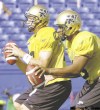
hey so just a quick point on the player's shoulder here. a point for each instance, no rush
(86, 34)
(83, 35)
(46, 33)
(46, 30)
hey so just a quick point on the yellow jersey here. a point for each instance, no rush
(86, 44)
(44, 41)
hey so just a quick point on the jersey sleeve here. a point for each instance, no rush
(85, 47)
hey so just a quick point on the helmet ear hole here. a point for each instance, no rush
(78, 26)
(70, 28)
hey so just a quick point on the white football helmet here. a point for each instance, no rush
(70, 22)
(37, 16)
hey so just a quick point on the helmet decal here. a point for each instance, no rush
(71, 19)
(43, 13)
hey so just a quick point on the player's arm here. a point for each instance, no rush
(84, 50)
(69, 71)
(43, 60)
(21, 65)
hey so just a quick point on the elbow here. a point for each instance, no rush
(72, 74)
(76, 71)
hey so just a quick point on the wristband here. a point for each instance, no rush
(26, 58)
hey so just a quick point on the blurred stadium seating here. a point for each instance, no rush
(11, 29)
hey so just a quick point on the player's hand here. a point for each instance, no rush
(41, 71)
(14, 50)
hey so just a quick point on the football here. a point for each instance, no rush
(34, 79)
(10, 60)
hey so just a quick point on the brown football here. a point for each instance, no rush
(34, 79)
(10, 60)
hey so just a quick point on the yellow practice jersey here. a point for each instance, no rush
(44, 41)
(86, 44)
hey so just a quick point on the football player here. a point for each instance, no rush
(83, 49)
(46, 51)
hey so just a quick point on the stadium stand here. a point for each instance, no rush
(11, 77)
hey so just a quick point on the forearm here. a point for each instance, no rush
(67, 71)
(28, 59)
(39, 62)
(42, 60)
(22, 66)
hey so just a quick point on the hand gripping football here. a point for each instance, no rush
(34, 79)
(12, 59)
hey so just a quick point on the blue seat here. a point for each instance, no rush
(90, 22)
(25, 1)
(18, 23)
(95, 10)
(84, 17)
(83, 10)
(97, 16)
(52, 10)
(4, 17)
(4, 37)
(18, 37)
(2, 43)
(16, 10)
(45, 2)
(25, 30)
(10, 1)
(89, 3)
(71, 3)
(58, 1)
(22, 44)
(10, 6)
(0, 31)
(2, 61)
(7, 24)
(86, 28)
(18, 17)
(56, 6)
(12, 30)
(24, 7)
(95, 30)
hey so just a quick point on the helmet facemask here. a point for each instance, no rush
(31, 22)
(62, 32)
